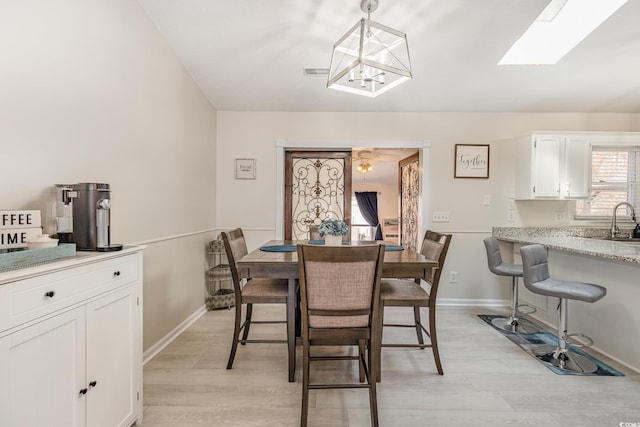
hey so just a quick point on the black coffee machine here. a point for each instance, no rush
(91, 217)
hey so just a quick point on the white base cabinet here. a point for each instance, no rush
(78, 363)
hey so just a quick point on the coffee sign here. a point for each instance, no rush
(18, 227)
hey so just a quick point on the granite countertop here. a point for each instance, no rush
(584, 241)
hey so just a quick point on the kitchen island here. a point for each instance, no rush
(582, 254)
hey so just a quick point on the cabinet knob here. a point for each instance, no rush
(83, 391)
(93, 383)
(49, 294)
(116, 273)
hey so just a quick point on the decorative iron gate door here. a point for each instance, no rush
(317, 187)
(409, 197)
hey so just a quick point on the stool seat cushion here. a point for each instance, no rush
(571, 290)
(505, 269)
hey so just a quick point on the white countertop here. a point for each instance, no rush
(81, 257)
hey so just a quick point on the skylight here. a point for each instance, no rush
(558, 29)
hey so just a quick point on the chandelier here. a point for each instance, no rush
(370, 58)
(364, 167)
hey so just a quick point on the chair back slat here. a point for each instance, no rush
(235, 247)
(314, 232)
(435, 246)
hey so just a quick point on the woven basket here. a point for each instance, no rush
(224, 298)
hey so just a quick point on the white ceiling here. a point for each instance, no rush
(249, 55)
(384, 162)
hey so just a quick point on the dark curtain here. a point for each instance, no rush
(368, 204)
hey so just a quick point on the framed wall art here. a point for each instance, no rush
(245, 168)
(471, 161)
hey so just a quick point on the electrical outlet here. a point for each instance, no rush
(511, 215)
(487, 200)
(440, 217)
(453, 277)
(560, 216)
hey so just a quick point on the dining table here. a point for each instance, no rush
(279, 259)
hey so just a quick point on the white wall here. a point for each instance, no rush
(254, 134)
(90, 92)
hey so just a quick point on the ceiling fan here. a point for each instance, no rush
(364, 159)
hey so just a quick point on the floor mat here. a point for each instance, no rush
(528, 342)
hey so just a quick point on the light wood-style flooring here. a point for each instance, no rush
(488, 381)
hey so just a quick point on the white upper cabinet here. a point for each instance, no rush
(553, 166)
(577, 166)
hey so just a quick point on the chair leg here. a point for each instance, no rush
(372, 380)
(361, 354)
(416, 317)
(305, 385)
(236, 336)
(377, 350)
(247, 324)
(434, 337)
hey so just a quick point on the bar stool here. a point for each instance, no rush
(537, 280)
(500, 268)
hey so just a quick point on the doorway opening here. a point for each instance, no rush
(422, 148)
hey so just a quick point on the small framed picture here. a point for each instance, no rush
(245, 168)
(471, 161)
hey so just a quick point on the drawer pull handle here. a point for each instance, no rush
(116, 273)
(93, 383)
(84, 391)
(49, 294)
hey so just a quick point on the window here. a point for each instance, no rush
(615, 176)
(360, 230)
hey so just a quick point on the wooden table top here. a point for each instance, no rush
(404, 263)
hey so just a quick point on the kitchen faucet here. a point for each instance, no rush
(614, 227)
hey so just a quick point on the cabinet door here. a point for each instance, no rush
(546, 167)
(578, 167)
(42, 369)
(112, 352)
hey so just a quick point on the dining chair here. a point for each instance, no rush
(340, 297)
(248, 292)
(410, 293)
(314, 232)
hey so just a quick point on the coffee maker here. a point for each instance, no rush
(91, 217)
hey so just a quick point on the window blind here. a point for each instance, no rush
(615, 178)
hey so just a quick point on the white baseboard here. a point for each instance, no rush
(156, 348)
(465, 302)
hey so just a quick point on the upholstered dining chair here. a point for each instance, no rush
(410, 293)
(248, 292)
(340, 296)
(314, 232)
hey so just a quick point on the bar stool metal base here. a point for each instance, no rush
(567, 360)
(516, 325)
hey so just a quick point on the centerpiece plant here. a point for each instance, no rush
(333, 227)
